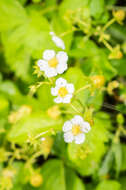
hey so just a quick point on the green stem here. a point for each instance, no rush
(68, 32)
(74, 108)
(83, 88)
(107, 45)
(108, 24)
(49, 9)
(43, 133)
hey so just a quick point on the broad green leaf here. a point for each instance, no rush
(16, 55)
(60, 177)
(118, 32)
(107, 163)
(12, 14)
(97, 8)
(44, 97)
(117, 150)
(122, 181)
(120, 66)
(26, 40)
(73, 182)
(96, 61)
(4, 106)
(58, 143)
(12, 93)
(23, 2)
(53, 175)
(33, 125)
(110, 2)
(62, 29)
(75, 76)
(123, 165)
(68, 5)
(109, 185)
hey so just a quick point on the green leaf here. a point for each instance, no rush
(118, 32)
(123, 165)
(120, 66)
(96, 61)
(60, 177)
(117, 150)
(97, 8)
(122, 181)
(58, 143)
(107, 163)
(109, 185)
(33, 125)
(44, 100)
(68, 5)
(12, 14)
(53, 175)
(62, 29)
(4, 106)
(73, 182)
(75, 76)
(12, 93)
(27, 40)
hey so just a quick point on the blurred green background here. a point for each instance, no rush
(94, 33)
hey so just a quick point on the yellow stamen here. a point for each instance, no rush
(76, 130)
(53, 62)
(62, 92)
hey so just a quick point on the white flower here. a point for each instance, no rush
(63, 91)
(75, 129)
(52, 63)
(58, 41)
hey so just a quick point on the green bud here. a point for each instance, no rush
(120, 119)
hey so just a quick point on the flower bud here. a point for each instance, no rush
(119, 15)
(111, 86)
(120, 119)
(54, 112)
(116, 53)
(36, 180)
(98, 80)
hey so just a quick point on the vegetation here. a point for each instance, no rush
(36, 150)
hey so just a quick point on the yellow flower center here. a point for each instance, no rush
(76, 130)
(53, 62)
(62, 92)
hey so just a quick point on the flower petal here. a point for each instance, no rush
(42, 64)
(61, 82)
(62, 57)
(58, 41)
(85, 127)
(67, 126)
(67, 98)
(77, 119)
(58, 100)
(48, 54)
(61, 68)
(79, 139)
(54, 91)
(50, 72)
(70, 88)
(52, 33)
(68, 137)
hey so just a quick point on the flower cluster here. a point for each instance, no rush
(52, 64)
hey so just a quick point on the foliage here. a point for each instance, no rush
(33, 153)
